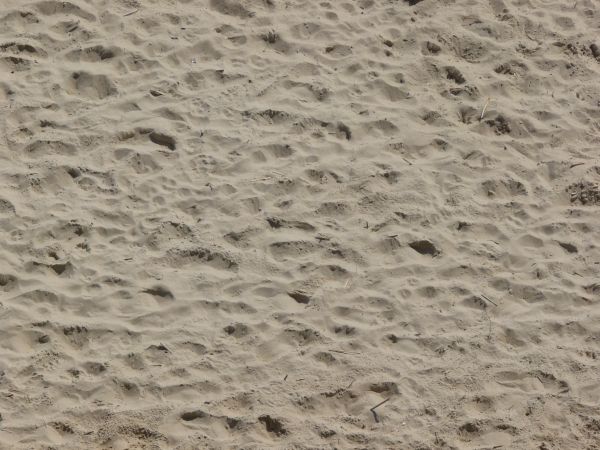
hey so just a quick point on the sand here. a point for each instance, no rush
(233, 224)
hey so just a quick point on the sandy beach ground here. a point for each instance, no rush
(242, 224)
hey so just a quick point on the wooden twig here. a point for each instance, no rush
(345, 353)
(131, 13)
(487, 316)
(377, 406)
(485, 298)
(575, 165)
(487, 102)
(351, 383)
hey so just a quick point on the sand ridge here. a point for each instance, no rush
(243, 224)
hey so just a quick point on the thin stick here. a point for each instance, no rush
(485, 298)
(345, 353)
(131, 13)
(377, 406)
(484, 108)
(487, 316)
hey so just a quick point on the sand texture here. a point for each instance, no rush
(241, 224)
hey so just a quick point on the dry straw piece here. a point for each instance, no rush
(487, 102)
